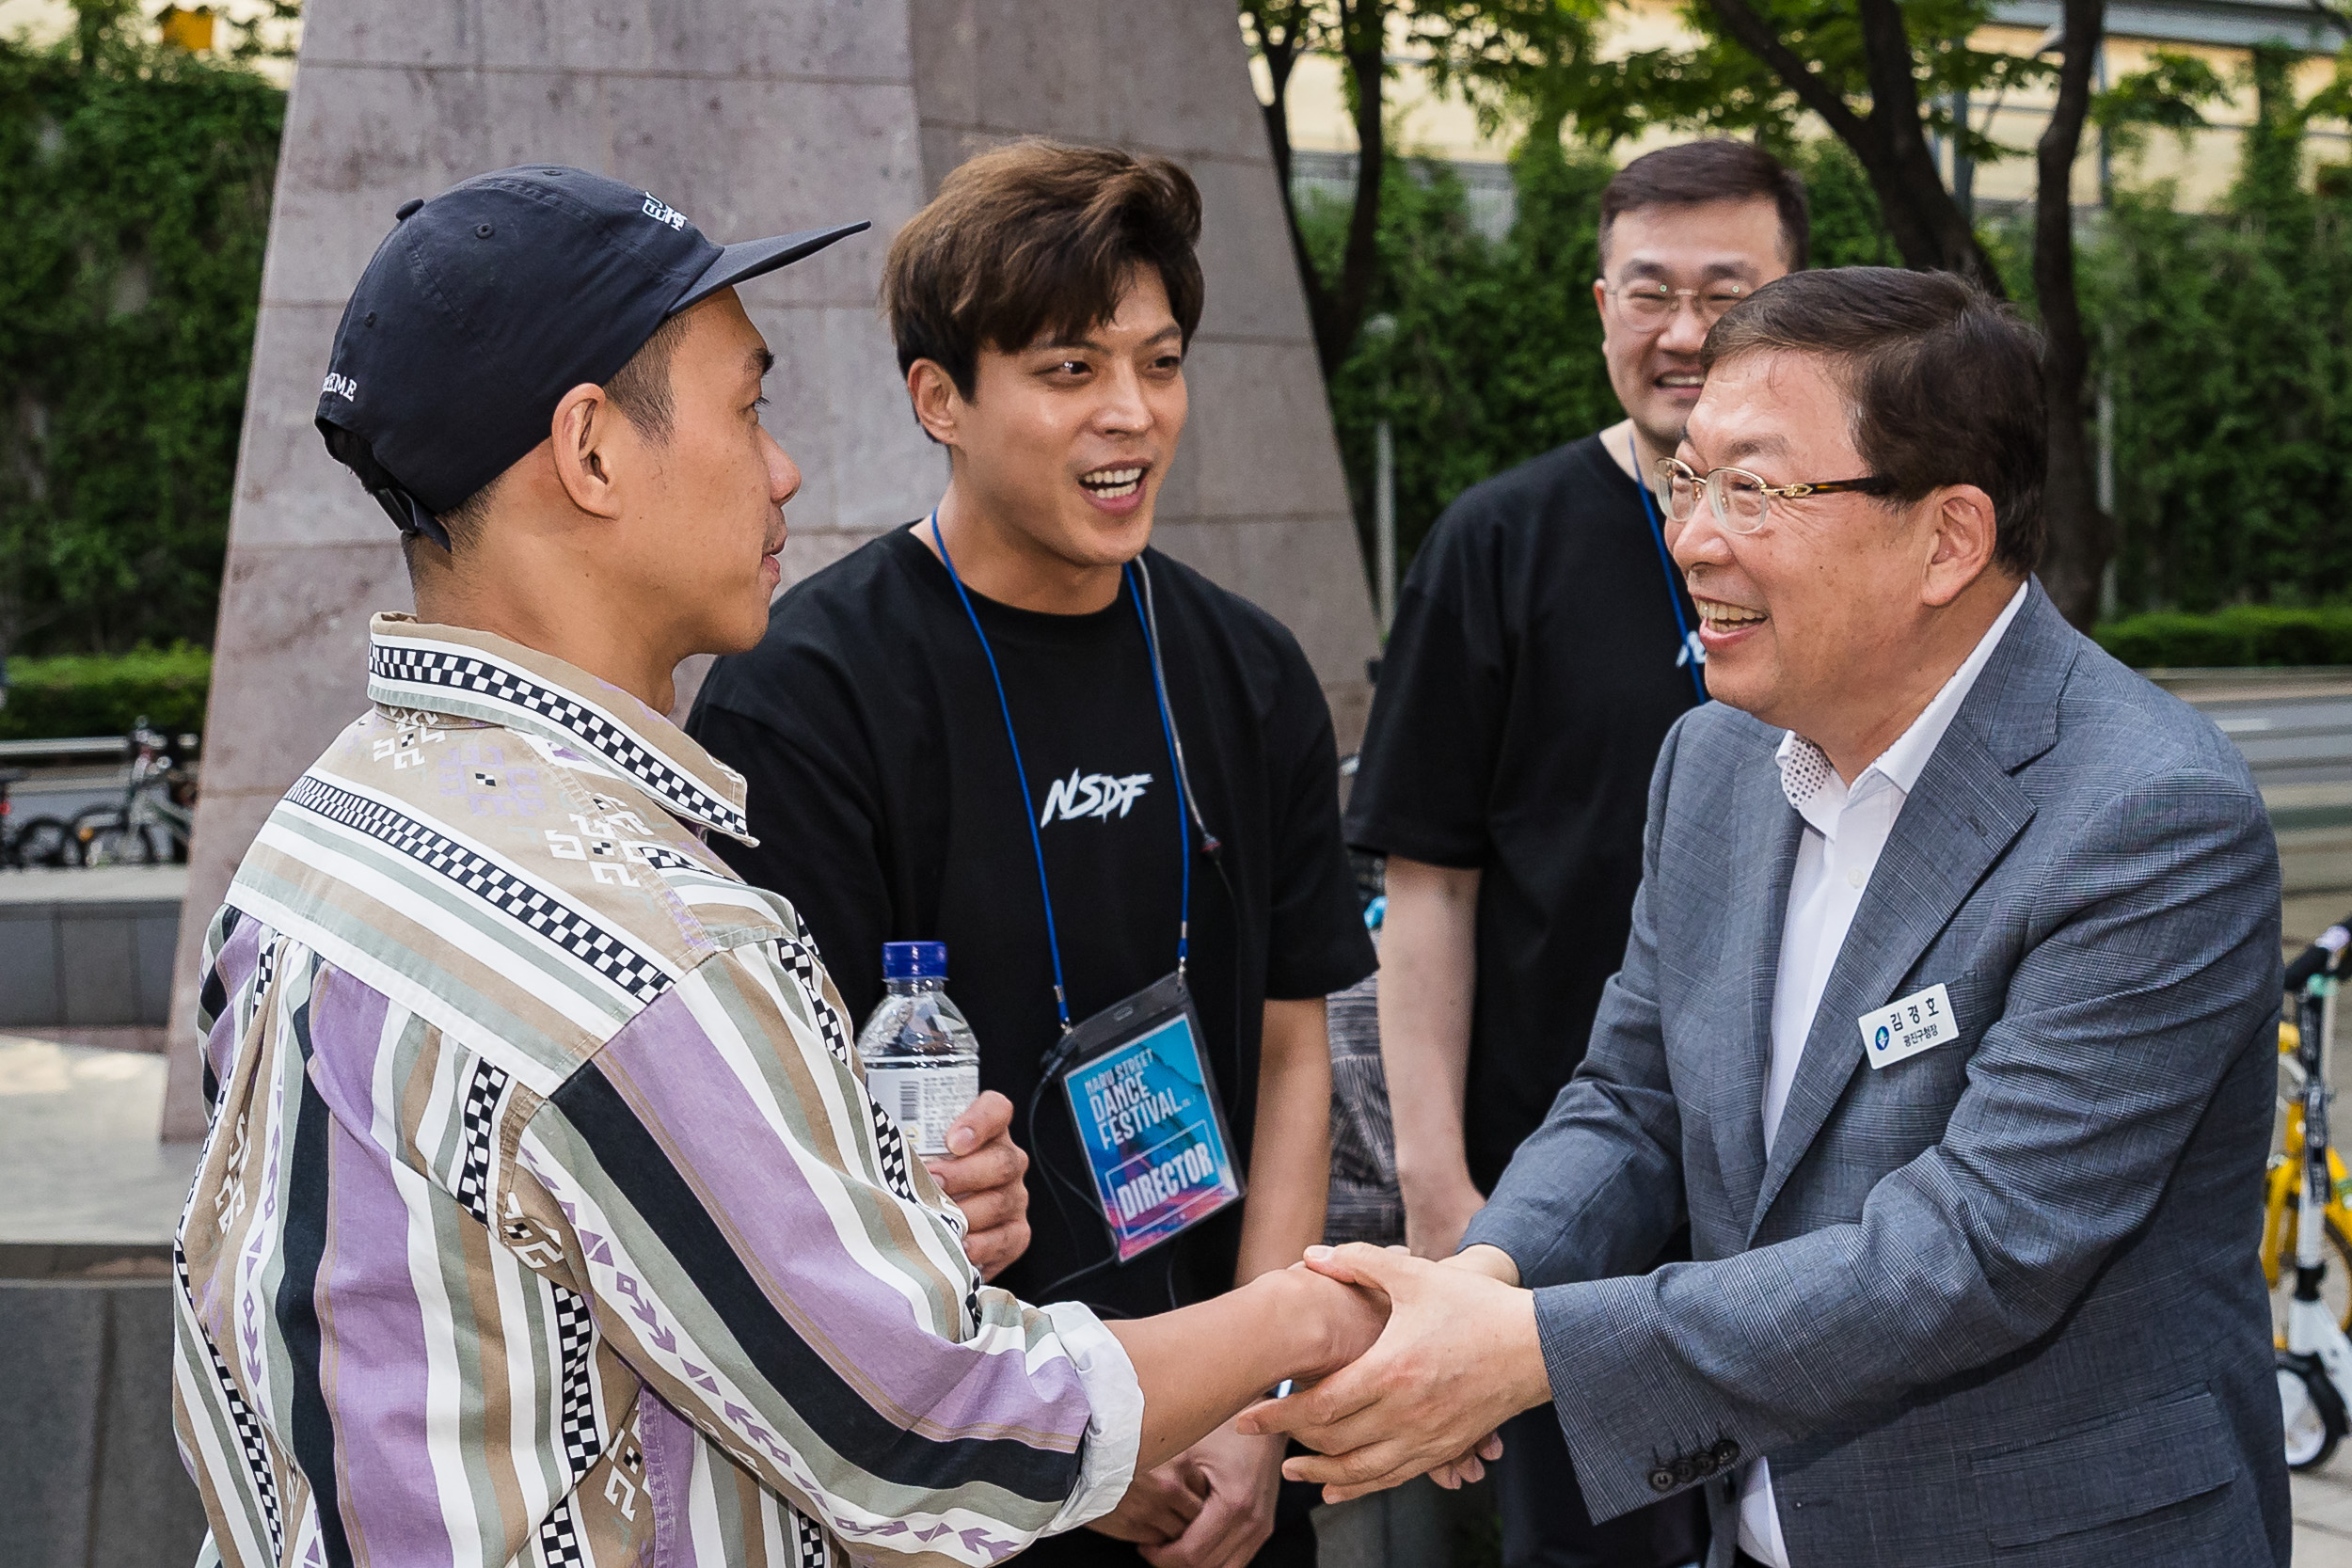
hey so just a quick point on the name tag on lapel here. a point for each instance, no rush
(1902, 1029)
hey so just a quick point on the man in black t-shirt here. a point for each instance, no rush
(1042, 305)
(1542, 648)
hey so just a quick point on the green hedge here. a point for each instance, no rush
(105, 694)
(2246, 634)
(134, 192)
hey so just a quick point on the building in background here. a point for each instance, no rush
(211, 28)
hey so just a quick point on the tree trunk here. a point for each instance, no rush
(1339, 312)
(1943, 239)
(1335, 310)
(1281, 50)
(2081, 536)
(1921, 217)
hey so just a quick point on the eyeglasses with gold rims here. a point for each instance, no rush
(1649, 305)
(1740, 499)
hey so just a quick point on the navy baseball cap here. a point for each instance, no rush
(486, 304)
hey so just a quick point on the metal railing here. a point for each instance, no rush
(77, 746)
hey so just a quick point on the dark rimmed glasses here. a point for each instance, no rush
(1741, 499)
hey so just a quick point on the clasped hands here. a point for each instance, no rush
(1458, 1357)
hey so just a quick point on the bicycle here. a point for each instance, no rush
(43, 841)
(2315, 1353)
(155, 819)
(2281, 1209)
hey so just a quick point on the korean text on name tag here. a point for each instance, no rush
(1902, 1029)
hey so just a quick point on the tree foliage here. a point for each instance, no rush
(2229, 339)
(134, 188)
(1534, 56)
(1883, 77)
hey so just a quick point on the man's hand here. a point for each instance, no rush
(1157, 1508)
(1435, 1217)
(1350, 1319)
(982, 1175)
(1237, 1478)
(1459, 1356)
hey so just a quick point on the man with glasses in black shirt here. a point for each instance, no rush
(1543, 645)
(1013, 728)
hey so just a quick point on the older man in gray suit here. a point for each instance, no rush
(1945, 1023)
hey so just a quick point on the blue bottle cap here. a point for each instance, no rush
(915, 960)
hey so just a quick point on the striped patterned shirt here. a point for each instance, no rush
(544, 1218)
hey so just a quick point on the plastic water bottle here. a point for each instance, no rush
(922, 1061)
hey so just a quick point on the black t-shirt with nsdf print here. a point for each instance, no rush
(887, 808)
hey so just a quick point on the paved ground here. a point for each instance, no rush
(79, 1164)
(104, 885)
(2323, 1516)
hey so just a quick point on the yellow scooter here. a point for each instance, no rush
(2314, 1365)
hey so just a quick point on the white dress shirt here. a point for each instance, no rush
(1846, 826)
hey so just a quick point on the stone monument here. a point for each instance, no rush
(753, 117)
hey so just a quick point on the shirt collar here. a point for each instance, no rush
(413, 666)
(1806, 772)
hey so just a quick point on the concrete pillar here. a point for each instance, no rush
(753, 117)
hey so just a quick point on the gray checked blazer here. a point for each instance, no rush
(1997, 1302)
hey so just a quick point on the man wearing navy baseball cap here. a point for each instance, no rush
(543, 1216)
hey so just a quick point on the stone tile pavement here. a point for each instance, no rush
(80, 1169)
(2323, 1515)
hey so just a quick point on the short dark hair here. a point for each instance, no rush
(1945, 382)
(640, 389)
(1038, 237)
(1718, 168)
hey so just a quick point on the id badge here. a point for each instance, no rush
(1148, 1117)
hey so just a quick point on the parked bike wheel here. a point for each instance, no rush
(106, 839)
(2314, 1411)
(2336, 1290)
(44, 840)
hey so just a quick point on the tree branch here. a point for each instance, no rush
(1364, 43)
(1750, 31)
(1918, 184)
(1282, 33)
(2081, 536)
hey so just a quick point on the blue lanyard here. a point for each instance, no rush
(1694, 652)
(1037, 845)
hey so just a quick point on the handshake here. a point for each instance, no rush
(1404, 1367)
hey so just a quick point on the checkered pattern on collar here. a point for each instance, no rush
(1805, 770)
(472, 674)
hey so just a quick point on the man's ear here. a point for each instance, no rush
(937, 402)
(1600, 297)
(1964, 534)
(587, 436)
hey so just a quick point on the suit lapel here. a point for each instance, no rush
(1765, 853)
(1964, 815)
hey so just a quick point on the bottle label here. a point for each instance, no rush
(925, 1100)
